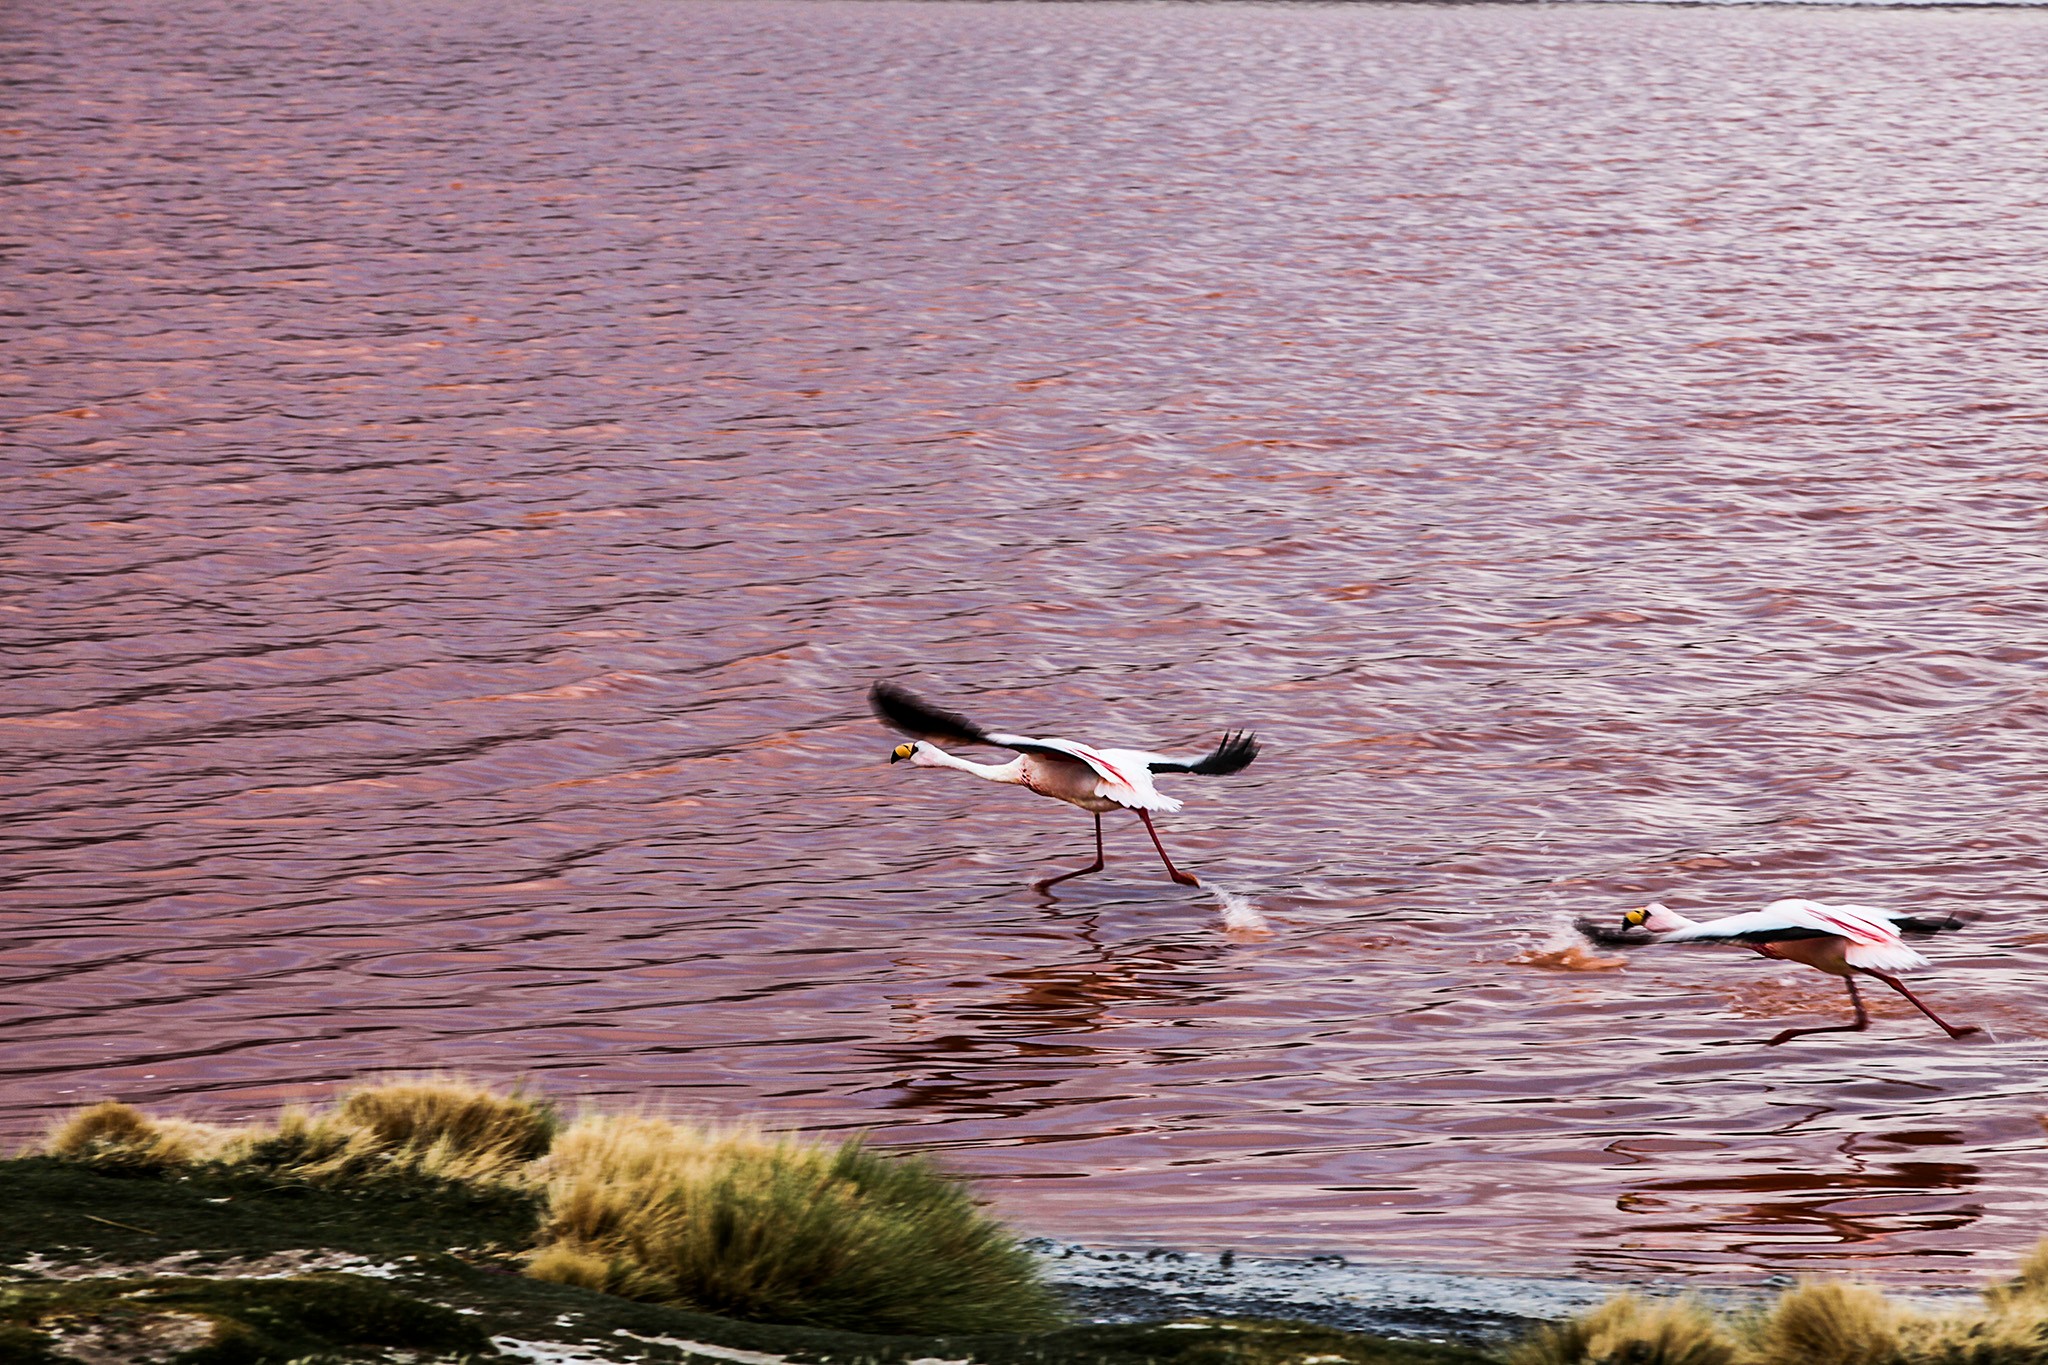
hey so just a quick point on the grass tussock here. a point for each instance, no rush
(1816, 1323)
(117, 1137)
(434, 1130)
(1829, 1322)
(2029, 1285)
(1627, 1330)
(2013, 1330)
(1998, 1338)
(779, 1229)
(441, 1130)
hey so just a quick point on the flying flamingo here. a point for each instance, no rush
(1096, 780)
(1841, 940)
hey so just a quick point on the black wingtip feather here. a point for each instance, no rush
(1234, 754)
(898, 709)
(1921, 925)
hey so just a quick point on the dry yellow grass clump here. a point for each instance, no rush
(1822, 1322)
(774, 1228)
(726, 1220)
(434, 1129)
(1828, 1320)
(1627, 1330)
(115, 1136)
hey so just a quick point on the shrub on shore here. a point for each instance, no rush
(1828, 1322)
(111, 1136)
(432, 1129)
(724, 1220)
(1816, 1323)
(1627, 1330)
(771, 1228)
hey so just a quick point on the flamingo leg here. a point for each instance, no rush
(1900, 986)
(1862, 1019)
(1095, 866)
(1183, 878)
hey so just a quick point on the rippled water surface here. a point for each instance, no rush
(466, 462)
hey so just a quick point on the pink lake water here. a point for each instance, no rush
(466, 462)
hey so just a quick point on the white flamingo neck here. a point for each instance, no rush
(927, 755)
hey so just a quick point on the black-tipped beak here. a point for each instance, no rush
(895, 757)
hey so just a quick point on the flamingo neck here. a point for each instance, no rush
(931, 756)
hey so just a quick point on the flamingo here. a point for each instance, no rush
(1842, 940)
(1096, 780)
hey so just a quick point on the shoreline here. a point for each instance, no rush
(1389, 1299)
(103, 1259)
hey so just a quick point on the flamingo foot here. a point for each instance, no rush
(1041, 885)
(1789, 1034)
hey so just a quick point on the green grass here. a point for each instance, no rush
(233, 1322)
(778, 1229)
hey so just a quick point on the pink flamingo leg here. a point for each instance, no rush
(1095, 866)
(1862, 1019)
(1183, 878)
(1900, 986)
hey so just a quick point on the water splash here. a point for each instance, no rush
(1563, 949)
(1242, 917)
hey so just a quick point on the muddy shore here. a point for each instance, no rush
(1113, 1285)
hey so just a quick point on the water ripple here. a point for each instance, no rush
(465, 463)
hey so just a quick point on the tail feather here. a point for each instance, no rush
(1883, 957)
(1234, 754)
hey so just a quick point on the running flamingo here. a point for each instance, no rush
(1096, 780)
(1841, 940)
